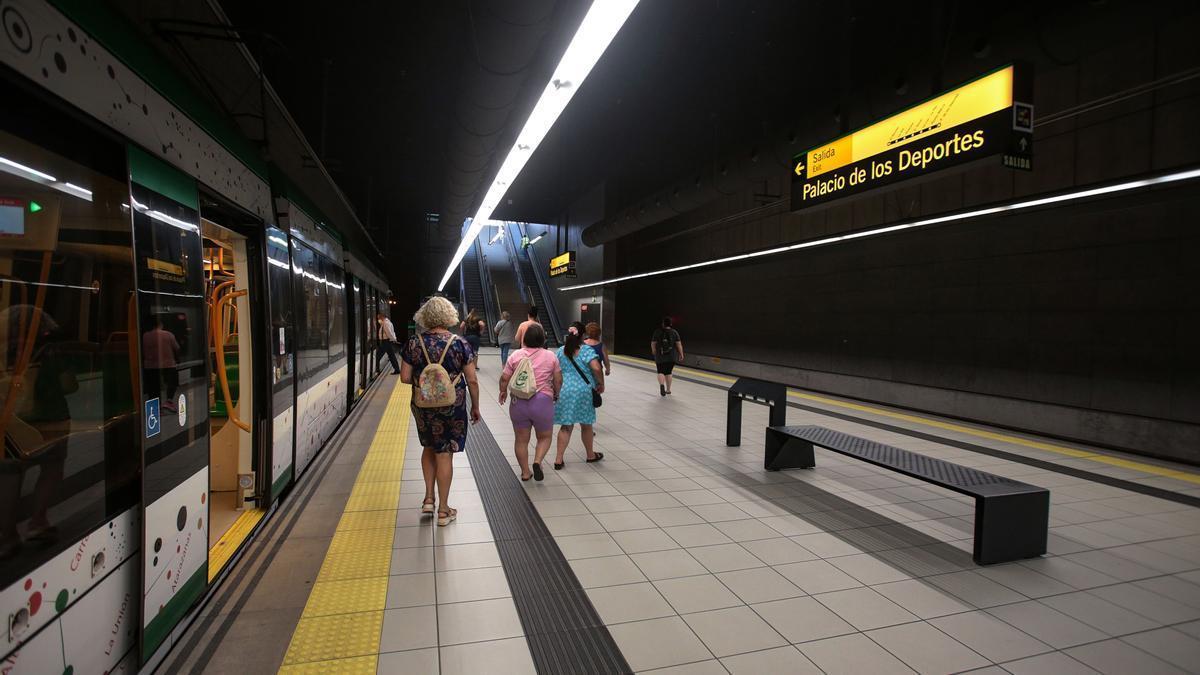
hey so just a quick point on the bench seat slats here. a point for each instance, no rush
(1011, 517)
(947, 474)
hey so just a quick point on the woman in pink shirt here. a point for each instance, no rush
(537, 412)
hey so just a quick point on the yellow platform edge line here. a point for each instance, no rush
(222, 552)
(356, 623)
(950, 426)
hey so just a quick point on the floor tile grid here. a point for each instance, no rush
(622, 442)
(449, 606)
(339, 628)
(1167, 474)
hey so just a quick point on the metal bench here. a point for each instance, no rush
(1011, 518)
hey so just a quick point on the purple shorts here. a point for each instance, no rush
(536, 412)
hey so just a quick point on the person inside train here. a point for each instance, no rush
(387, 342)
(441, 367)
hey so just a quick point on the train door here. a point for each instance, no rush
(282, 347)
(354, 349)
(235, 397)
(172, 329)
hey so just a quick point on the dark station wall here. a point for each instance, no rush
(1079, 321)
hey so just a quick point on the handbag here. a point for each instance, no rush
(597, 400)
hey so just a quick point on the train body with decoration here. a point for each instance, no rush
(183, 331)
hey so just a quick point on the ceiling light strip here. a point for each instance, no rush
(604, 19)
(1189, 174)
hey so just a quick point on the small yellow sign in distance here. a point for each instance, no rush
(971, 101)
(560, 260)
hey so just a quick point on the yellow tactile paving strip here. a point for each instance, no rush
(339, 629)
(959, 428)
(227, 545)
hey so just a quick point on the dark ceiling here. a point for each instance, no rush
(685, 83)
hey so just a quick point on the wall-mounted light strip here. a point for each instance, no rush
(601, 24)
(1176, 177)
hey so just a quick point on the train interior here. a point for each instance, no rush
(232, 461)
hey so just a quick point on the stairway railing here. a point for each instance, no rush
(491, 309)
(511, 236)
(543, 284)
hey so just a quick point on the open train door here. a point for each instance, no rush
(172, 332)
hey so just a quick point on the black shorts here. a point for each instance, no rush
(665, 368)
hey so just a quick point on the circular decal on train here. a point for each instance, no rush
(181, 409)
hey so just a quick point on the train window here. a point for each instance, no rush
(68, 363)
(337, 309)
(313, 294)
(283, 321)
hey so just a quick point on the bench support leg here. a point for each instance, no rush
(787, 452)
(733, 421)
(1011, 527)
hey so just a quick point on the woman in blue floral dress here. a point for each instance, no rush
(580, 372)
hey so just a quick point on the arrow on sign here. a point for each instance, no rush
(800, 168)
(1023, 143)
(34, 207)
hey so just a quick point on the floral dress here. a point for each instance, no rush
(443, 429)
(575, 398)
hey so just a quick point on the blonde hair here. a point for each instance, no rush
(437, 312)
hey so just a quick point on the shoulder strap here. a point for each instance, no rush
(421, 339)
(574, 365)
(446, 351)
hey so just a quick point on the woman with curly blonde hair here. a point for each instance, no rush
(443, 431)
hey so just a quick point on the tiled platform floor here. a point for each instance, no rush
(702, 562)
(699, 561)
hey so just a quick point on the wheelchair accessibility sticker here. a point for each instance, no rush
(153, 419)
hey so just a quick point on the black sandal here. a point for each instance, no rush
(537, 472)
(559, 465)
(598, 456)
(525, 479)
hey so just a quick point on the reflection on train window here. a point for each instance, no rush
(282, 319)
(313, 297)
(68, 363)
(337, 310)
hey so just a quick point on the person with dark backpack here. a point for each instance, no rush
(667, 349)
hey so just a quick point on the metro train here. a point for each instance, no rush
(183, 332)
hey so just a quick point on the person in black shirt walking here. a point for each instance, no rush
(667, 349)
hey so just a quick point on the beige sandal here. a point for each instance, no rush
(446, 517)
(427, 507)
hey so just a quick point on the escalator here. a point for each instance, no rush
(534, 293)
(472, 290)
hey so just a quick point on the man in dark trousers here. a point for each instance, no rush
(667, 349)
(387, 342)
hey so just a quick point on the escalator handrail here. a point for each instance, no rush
(490, 310)
(544, 288)
(510, 242)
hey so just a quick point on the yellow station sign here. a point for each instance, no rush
(990, 115)
(971, 101)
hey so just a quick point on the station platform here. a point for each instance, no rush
(677, 554)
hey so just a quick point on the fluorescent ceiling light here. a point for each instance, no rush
(496, 237)
(604, 19)
(536, 239)
(1014, 206)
